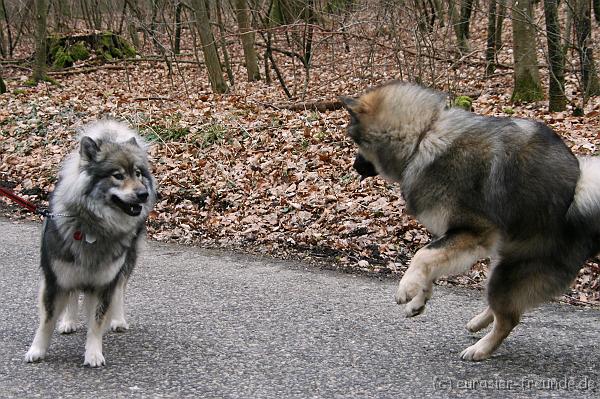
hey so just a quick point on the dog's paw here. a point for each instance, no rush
(94, 359)
(413, 291)
(478, 323)
(34, 355)
(476, 353)
(67, 327)
(119, 325)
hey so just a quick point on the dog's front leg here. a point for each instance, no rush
(118, 322)
(453, 253)
(97, 309)
(52, 301)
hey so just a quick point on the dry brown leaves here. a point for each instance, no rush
(236, 172)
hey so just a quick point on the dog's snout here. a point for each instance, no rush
(142, 195)
(364, 167)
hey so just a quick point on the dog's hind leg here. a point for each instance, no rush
(52, 301)
(481, 321)
(503, 325)
(514, 286)
(98, 309)
(453, 253)
(118, 322)
(69, 319)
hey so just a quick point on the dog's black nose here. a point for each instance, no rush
(142, 195)
(364, 167)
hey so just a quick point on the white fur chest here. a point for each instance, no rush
(87, 273)
(435, 220)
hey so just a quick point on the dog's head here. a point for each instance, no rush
(386, 124)
(110, 174)
(119, 172)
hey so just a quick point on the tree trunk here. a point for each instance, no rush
(284, 12)
(39, 68)
(3, 47)
(209, 49)
(153, 26)
(490, 51)
(527, 85)
(596, 4)
(177, 46)
(223, 43)
(62, 13)
(453, 18)
(466, 6)
(8, 49)
(568, 36)
(2, 86)
(500, 23)
(557, 101)
(247, 38)
(583, 32)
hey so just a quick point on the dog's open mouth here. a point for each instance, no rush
(130, 209)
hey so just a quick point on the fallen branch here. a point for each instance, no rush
(153, 98)
(85, 70)
(321, 106)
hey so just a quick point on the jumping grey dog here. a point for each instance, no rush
(504, 188)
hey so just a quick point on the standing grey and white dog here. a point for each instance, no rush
(101, 201)
(504, 188)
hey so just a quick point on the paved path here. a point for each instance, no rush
(217, 325)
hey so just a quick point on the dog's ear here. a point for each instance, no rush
(88, 148)
(132, 141)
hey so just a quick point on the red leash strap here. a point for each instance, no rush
(23, 202)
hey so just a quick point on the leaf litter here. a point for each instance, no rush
(236, 171)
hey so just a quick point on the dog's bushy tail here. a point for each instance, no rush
(584, 212)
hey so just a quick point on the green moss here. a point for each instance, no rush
(79, 51)
(62, 58)
(63, 51)
(106, 40)
(113, 46)
(53, 45)
(19, 91)
(508, 110)
(464, 102)
(127, 49)
(116, 53)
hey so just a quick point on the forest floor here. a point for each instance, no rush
(243, 171)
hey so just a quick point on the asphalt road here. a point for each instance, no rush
(209, 324)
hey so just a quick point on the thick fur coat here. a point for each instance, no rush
(504, 188)
(103, 196)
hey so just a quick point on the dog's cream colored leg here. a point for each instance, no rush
(96, 316)
(448, 255)
(48, 317)
(484, 348)
(482, 320)
(118, 322)
(68, 322)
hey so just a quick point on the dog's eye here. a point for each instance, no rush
(138, 174)
(119, 176)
